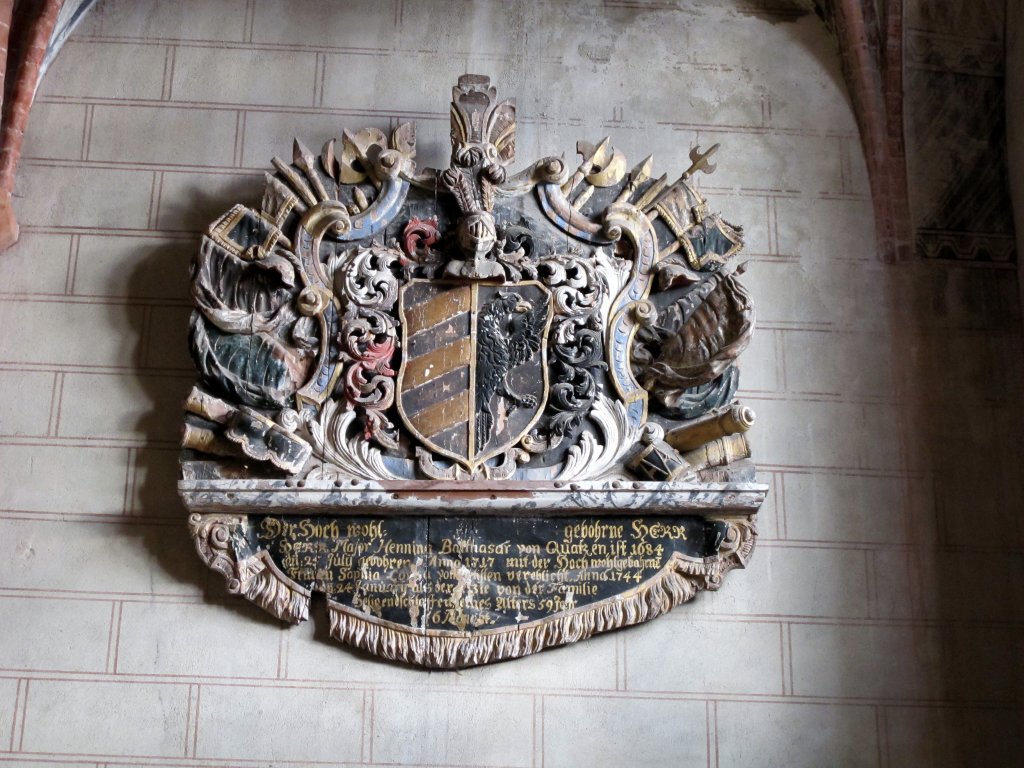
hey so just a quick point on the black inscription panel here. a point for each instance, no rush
(479, 573)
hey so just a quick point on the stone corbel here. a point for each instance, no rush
(221, 543)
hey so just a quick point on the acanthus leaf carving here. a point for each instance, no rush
(342, 449)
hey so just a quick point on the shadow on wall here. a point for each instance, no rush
(960, 361)
(957, 355)
(166, 376)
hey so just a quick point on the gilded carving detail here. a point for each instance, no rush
(392, 359)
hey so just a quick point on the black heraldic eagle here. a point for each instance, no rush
(509, 333)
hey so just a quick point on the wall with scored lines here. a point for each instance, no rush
(880, 621)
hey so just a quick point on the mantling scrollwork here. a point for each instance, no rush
(368, 288)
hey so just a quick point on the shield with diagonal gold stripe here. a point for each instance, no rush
(473, 378)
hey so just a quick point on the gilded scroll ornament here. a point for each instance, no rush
(484, 412)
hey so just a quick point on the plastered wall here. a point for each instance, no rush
(879, 623)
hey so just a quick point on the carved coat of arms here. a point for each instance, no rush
(484, 411)
(474, 375)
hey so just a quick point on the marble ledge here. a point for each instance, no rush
(469, 498)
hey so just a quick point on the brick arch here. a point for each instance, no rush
(869, 36)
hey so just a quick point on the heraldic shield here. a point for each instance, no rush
(473, 378)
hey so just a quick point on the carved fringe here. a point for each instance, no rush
(256, 577)
(259, 579)
(678, 582)
(262, 582)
